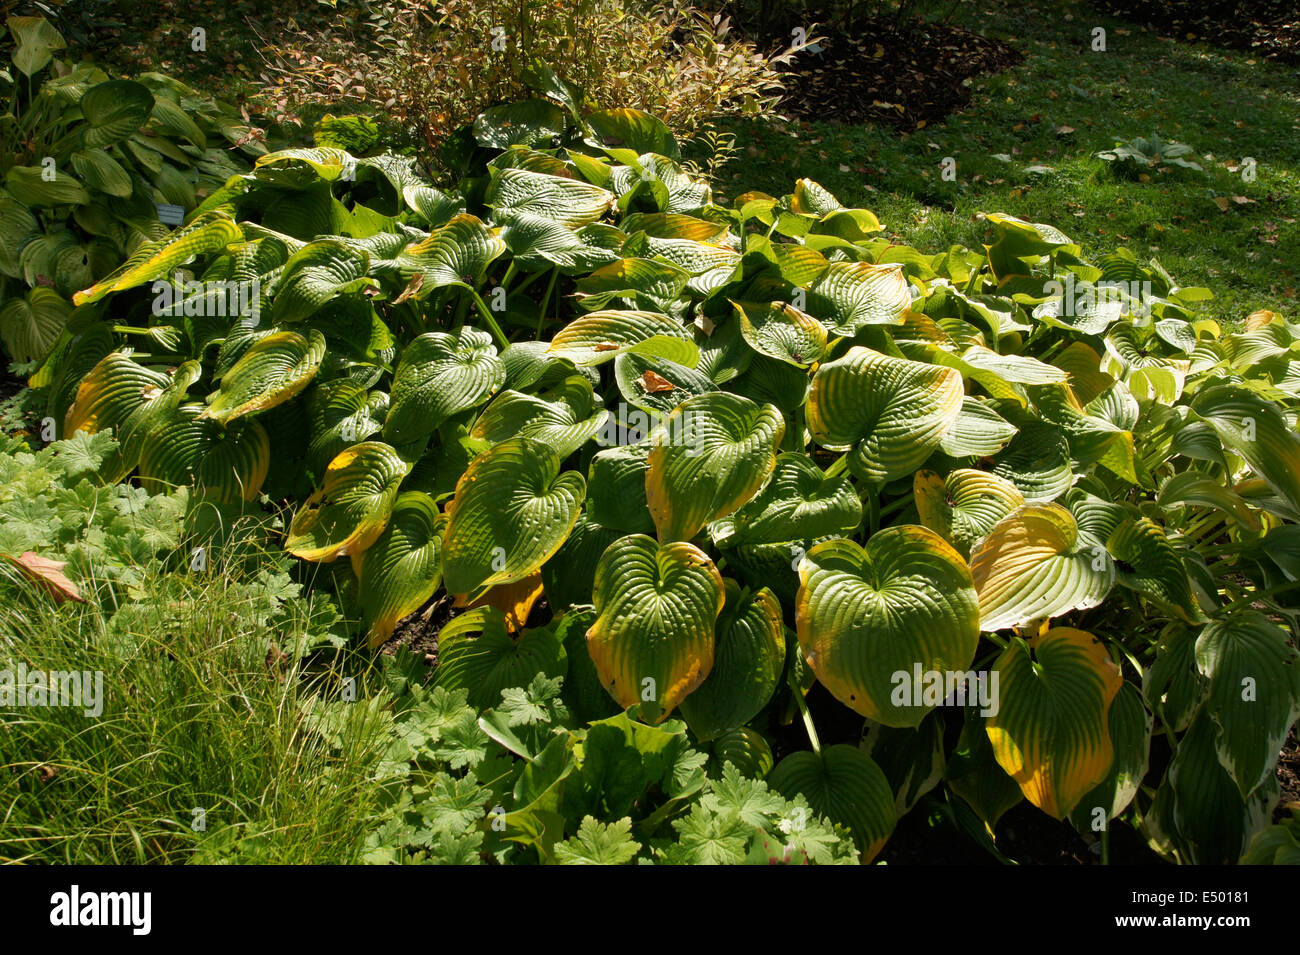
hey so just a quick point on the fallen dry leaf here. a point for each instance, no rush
(413, 286)
(654, 383)
(1222, 203)
(48, 574)
(608, 346)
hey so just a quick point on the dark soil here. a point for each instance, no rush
(905, 74)
(1288, 777)
(420, 630)
(1269, 28)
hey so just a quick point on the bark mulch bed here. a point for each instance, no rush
(1268, 28)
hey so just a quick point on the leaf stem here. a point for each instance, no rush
(807, 719)
(488, 317)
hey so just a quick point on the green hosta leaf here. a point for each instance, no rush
(227, 465)
(403, 568)
(782, 332)
(656, 384)
(569, 575)
(911, 759)
(512, 511)
(1036, 563)
(102, 172)
(633, 129)
(745, 749)
(349, 511)
(963, 507)
(210, 232)
(866, 615)
(315, 275)
(440, 375)
(748, 659)
(31, 325)
(1130, 737)
(974, 774)
(853, 295)
(342, 413)
(17, 227)
(653, 639)
(114, 110)
(978, 430)
(29, 186)
(563, 419)
(271, 372)
(530, 122)
(1149, 563)
(569, 202)
(34, 43)
(799, 503)
(1256, 430)
(843, 784)
(616, 496)
(601, 336)
(645, 283)
(478, 655)
(458, 253)
(707, 459)
(889, 413)
(1253, 671)
(1037, 460)
(1050, 732)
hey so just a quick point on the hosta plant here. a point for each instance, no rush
(1026, 514)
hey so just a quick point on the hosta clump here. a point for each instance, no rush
(690, 458)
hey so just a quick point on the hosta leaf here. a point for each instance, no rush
(644, 283)
(285, 166)
(1256, 430)
(1037, 460)
(974, 774)
(102, 172)
(568, 576)
(530, 122)
(114, 110)
(342, 413)
(440, 375)
(512, 510)
(563, 419)
(226, 464)
(317, 273)
(866, 615)
(963, 507)
(1149, 563)
(978, 430)
(633, 129)
(843, 784)
(458, 253)
(31, 325)
(403, 568)
(746, 749)
(569, 202)
(29, 186)
(707, 459)
(601, 336)
(889, 413)
(616, 496)
(35, 41)
(1035, 563)
(657, 384)
(110, 392)
(1130, 737)
(209, 232)
(782, 332)
(748, 659)
(270, 373)
(348, 512)
(653, 639)
(852, 295)
(1050, 732)
(799, 503)
(477, 655)
(1253, 671)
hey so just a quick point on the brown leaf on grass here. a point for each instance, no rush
(1222, 203)
(654, 383)
(47, 574)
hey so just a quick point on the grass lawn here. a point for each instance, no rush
(1027, 145)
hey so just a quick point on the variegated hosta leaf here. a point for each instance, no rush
(601, 336)
(441, 375)
(348, 512)
(964, 506)
(869, 618)
(748, 659)
(271, 372)
(889, 413)
(707, 459)
(843, 784)
(1051, 732)
(512, 510)
(1036, 563)
(458, 253)
(1253, 671)
(1148, 562)
(657, 384)
(403, 568)
(570, 202)
(657, 606)
(978, 430)
(782, 332)
(226, 464)
(564, 418)
(1256, 430)
(799, 503)
(852, 295)
(1130, 737)
(209, 232)
(342, 413)
(317, 273)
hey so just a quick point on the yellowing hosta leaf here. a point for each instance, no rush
(1130, 736)
(271, 372)
(889, 413)
(748, 659)
(441, 375)
(112, 390)
(512, 511)
(601, 336)
(403, 568)
(1051, 730)
(349, 511)
(209, 232)
(852, 295)
(866, 615)
(814, 199)
(964, 506)
(657, 606)
(845, 785)
(1256, 430)
(327, 162)
(1253, 671)
(708, 458)
(514, 600)
(782, 332)
(1036, 563)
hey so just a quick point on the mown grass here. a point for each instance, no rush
(1059, 107)
(195, 716)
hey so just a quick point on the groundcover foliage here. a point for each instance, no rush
(1023, 511)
